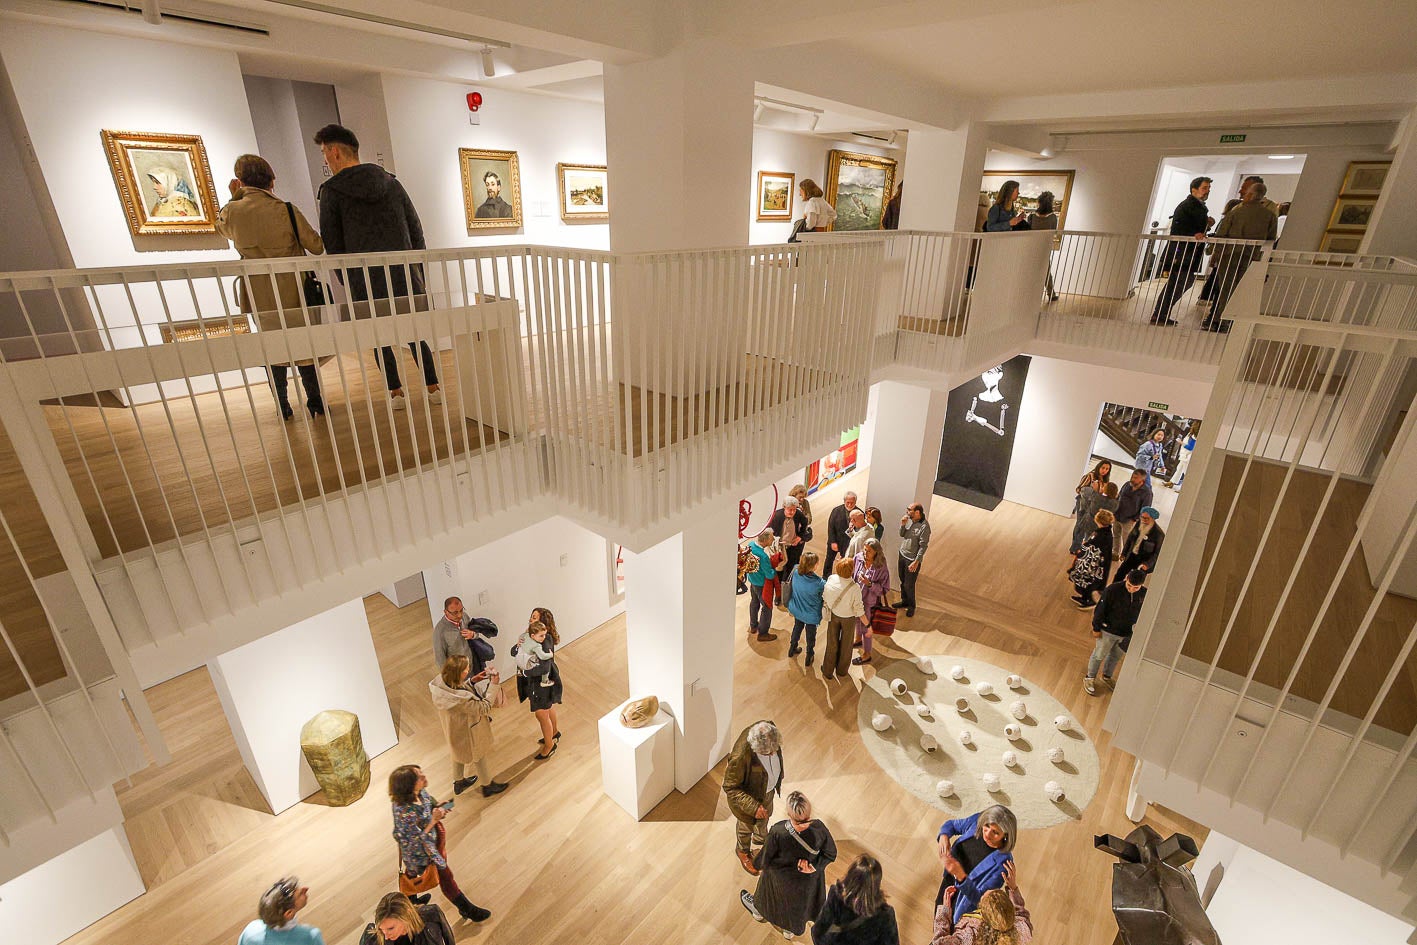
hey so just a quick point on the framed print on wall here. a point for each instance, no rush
(775, 197)
(1341, 242)
(491, 189)
(1030, 185)
(163, 180)
(1351, 214)
(858, 186)
(1365, 178)
(583, 190)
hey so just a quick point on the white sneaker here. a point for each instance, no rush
(435, 396)
(399, 403)
(746, 898)
(1089, 685)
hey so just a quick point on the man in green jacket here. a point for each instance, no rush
(752, 777)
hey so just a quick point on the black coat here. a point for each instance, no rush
(785, 896)
(1190, 219)
(837, 524)
(364, 209)
(779, 520)
(1118, 610)
(1140, 551)
(834, 925)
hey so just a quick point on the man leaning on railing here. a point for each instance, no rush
(1252, 220)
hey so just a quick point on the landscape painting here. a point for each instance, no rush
(163, 181)
(1030, 185)
(583, 192)
(775, 196)
(858, 186)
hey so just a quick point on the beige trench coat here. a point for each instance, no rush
(258, 226)
(465, 719)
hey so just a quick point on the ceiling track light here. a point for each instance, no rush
(758, 109)
(816, 117)
(489, 65)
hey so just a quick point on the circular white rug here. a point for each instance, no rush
(898, 749)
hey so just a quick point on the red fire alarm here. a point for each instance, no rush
(474, 101)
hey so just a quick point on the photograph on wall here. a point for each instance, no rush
(840, 461)
(1352, 213)
(1365, 178)
(1030, 185)
(163, 180)
(775, 197)
(978, 443)
(1341, 242)
(491, 189)
(858, 187)
(583, 190)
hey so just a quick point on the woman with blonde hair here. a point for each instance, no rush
(799, 492)
(1002, 919)
(467, 724)
(397, 921)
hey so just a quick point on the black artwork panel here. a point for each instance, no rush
(978, 442)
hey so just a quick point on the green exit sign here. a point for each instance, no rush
(1232, 139)
(1158, 405)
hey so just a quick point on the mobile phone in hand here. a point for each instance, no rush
(448, 804)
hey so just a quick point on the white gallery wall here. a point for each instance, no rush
(555, 564)
(270, 688)
(803, 155)
(428, 123)
(72, 891)
(123, 84)
(1062, 403)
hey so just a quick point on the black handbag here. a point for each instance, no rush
(310, 286)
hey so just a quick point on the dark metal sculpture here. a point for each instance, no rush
(1154, 897)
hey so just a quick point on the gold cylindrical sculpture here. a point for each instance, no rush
(335, 751)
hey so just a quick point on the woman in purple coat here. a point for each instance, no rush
(873, 576)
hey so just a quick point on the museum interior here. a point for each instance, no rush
(1104, 531)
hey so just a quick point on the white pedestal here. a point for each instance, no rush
(637, 764)
(407, 591)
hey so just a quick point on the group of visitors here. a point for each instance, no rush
(978, 900)
(1251, 216)
(853, 601)
(1005, 215)
(363, 209)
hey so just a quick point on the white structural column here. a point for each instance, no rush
(942, 174)
(73, 890)
(679, 612)
(272, 687)
(905, 453)
(1392, 232)
(679, 143)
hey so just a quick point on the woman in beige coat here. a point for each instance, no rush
(467, 725)
(262, 226)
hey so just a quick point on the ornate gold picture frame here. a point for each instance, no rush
(584, 190)
(775, 193)
(163, 180)
(491, 189)
(858, 187)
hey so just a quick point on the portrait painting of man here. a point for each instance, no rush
(491, 184)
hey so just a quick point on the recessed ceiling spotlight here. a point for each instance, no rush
(1280, 157)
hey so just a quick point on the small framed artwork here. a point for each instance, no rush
(1365, 178)
(583, 193)
(491, 189)
(775, 196)
(1341, 242)
(164, 182)
(1352, 213)
(858, 187)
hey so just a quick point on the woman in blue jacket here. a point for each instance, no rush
(759, 612)
(974, 851)
(1002, 215)
(805, 605)
(1151, 457)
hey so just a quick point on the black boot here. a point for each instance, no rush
(278, 376)
(421, 900)
(462, 784)
(310, 380)
(469, 911)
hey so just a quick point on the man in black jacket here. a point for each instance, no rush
(1143, 544)
(789, 523)
(838, 524)
(1183, 260)
(364, 209)
(1134, 496)
(1112, 624)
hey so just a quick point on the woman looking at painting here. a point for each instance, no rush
(817, 214)
(262, 226)
(1002, 215)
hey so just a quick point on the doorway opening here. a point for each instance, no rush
(1121, 433)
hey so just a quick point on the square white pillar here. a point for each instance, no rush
(943, 170)
(271, 688)
(679, 612)
(72, 891)
(904, 453)
(637, 764)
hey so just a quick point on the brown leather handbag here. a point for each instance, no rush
(428, 879)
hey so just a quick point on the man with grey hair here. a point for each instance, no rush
(837, 524)
(1251, 220)
(753, 775)
(859, 532)
(789, 523)
(276, 925)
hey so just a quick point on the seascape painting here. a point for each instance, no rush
(858, 187)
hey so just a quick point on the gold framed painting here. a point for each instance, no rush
(1340, 242)
(858, 188)
(1365, 178)
(775, 196)
(1031, 184)
(584, 192)
(1351, 214)
(491, 189)
(163, 180)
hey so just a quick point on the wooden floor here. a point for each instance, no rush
(1379, 649)
(556, 861)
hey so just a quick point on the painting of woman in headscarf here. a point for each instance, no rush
(163, 181)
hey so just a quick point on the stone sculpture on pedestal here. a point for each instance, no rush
(334, 749)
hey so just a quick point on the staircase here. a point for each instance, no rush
(1129, 428)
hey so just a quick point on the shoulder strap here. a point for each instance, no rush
(798, 837)
(294, 230)
(841, 597)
